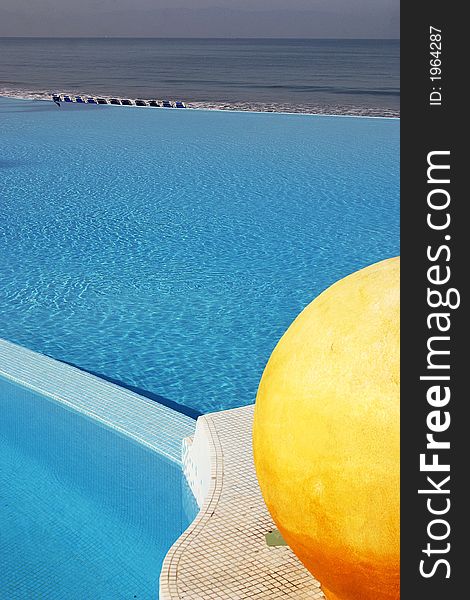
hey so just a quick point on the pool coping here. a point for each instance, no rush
(223, 555)
(158, 427)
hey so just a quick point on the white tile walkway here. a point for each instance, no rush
(223, 554)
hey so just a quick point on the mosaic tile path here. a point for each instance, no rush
(223, 554)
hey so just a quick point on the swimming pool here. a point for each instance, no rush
(85, 511)
(169, 249)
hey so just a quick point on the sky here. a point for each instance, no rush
(201, 18)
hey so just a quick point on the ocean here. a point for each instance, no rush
(356, 77)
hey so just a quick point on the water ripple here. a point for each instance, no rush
(171, 249)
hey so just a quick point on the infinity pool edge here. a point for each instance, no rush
(156, 426)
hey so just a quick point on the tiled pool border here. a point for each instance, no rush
(154, 425)
(169, 573)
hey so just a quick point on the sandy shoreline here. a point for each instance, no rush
(275, 107)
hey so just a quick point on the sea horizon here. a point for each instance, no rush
(170, 37)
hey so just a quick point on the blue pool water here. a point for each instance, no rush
(171, 249)
(85, 513)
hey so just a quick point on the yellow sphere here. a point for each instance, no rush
(326, 435)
